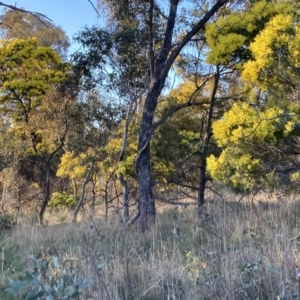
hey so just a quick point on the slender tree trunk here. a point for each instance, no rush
(94, 195)
(80, 202)
(207, 136)
(74, 188)
(106, 203)
(46, 196)
(126, 198)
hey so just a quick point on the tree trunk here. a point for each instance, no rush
(79, 204)
(46, 196)
(74, 188)
(126, 198)
(94, 196)
(146, 201)
(207, 136)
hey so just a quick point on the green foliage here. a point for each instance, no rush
(49, 280)
(177, 142)
(72, 166)
(122, 49)
(62, 200)
(243, 123)
(248, 137)
(27, 72)
(235, 168)
(229, 37)
(276, 56)
(258, 141)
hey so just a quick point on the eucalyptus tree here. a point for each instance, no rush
(18, 24)
(141, 44)
(167, 33)
(112, 60)
(39, 16)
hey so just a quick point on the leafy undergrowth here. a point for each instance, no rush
(239, 251)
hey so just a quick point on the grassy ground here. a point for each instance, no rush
(240, 251)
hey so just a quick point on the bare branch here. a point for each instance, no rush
(3, 24)
(193, 188)
(134, 217)
(37, 15)
(96, 10)
(130, 113)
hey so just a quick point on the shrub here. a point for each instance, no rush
(48, 280)
(62, 200)
(6, 222)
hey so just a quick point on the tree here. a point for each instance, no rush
(113, 60)
(16, 24)
(160, 68)
(259, 140)
(20, 23)
(36, 92)
(27, 72)
(161, 55)
(41, 17)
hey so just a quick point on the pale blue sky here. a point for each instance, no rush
(71, 15)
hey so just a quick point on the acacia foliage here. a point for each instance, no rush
(259, 139)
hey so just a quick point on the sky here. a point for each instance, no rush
(71, 15)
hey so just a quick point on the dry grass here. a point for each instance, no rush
(241, 251)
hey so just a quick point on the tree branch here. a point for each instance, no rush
(130, 113)
(3, 24)
(180, 106)
(167, 44)
(151, 46)
(96, 10)
(187, 38)
(37, 15)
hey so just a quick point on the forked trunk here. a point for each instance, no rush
(159, 67)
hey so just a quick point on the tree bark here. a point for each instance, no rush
(146, 201)
(206, 141)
